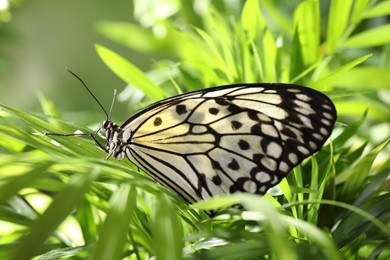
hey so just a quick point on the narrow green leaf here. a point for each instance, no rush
(32, 120)
(380, 9)
(9, 187)
(356, 175)
(337, 22)
(365, 77)
(258, 63)
(325, 81)
(369, 38)
(48, 106)
(275, 228)
(381, 226)
(356, 107)
(349, 132)
(63, 204)
(307, 23)
(221, 33)
(41, 142)
(296, 58)
(112, 236)
(280, 18)
(252, 20)
(214, 203)
(167, 230)
(126, 33)
(269, 55)
(245, 249)
(359, 10)
(315, 234)
(215, 53)
(312, 213)
(130, 73)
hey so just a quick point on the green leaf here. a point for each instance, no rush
(337, 22)
(48, 106)
(215, 54)
(132, 36)
(325, 81)
(380, 9)
(252, 20)
(349, 132)
(269, 56)
(112, 236)
(167, 230)
(356, 176)
(365, 77)
(307, 24)
(10, 186)
(64, 203)
(359, 10)
(221, 34)
(280, 18)
(130, 73)
(369, 38)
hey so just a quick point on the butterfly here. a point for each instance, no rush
(222, 140)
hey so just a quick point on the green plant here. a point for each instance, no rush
(59, 198)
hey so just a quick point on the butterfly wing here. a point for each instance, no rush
(236, 138)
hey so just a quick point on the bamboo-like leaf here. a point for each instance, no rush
(356, 176)
(130, 73)
(325, 81)
(307, 26)
(370, 38)
(337, 22)
(62, 206)
(380, 9)
(10, 187)
(167, 230)
(132, 36)
(365, 77)
(252, 20)
(359, 10)
(112, 236)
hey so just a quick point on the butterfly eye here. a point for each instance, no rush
(106, 125)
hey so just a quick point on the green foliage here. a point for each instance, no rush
(60, 199)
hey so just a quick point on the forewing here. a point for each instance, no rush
(229, 139)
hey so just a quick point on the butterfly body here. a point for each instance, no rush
(234, 138)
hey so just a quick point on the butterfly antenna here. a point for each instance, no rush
(112, 104)
(90, 92)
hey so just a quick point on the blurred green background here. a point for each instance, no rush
(43, 37)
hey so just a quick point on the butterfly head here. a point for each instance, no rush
(115, 139)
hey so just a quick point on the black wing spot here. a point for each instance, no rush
(256, 129)
(157, 121)
(216, 180)
(236, 125)
(213, 111)
(233, 165)
(244, 145)
(181, 109)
